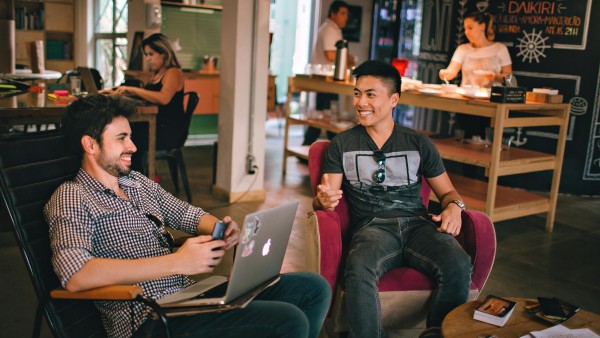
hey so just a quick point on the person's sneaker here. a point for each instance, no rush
(432, 332)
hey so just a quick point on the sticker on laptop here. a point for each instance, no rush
(250, 229)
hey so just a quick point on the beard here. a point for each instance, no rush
(113, 165)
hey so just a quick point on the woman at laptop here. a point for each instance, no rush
(164, 89)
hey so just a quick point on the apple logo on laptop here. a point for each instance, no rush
(266, 248)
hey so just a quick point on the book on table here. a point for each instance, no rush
(494, 310)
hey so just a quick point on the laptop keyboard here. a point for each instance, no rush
(217, 292)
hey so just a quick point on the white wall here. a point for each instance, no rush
(243, 77)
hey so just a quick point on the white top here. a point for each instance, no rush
(490, 58)
(329, 34)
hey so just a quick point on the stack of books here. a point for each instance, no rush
(494, 310)
(61, 97)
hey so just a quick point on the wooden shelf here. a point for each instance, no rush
(59, 25)
(512, 161)
(298, 151)
(324, 123)
(510, 202)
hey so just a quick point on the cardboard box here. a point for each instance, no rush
(508, 94)
(543, 98)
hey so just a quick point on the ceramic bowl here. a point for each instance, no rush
(449, 88)
(470, 90)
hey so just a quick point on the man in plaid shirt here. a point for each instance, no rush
(107, 226)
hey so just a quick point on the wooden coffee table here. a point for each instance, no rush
(459, 323)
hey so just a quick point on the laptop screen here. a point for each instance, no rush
(88, 80)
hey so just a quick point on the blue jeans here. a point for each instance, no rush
(294, 307)
(384, 244)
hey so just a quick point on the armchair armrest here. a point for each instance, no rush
(479, 241)
(324, 245)
(112, 292)
(116, 293)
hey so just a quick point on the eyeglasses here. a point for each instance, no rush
(379, 174)
(167, 236)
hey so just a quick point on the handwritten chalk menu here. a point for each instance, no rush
(530, 24)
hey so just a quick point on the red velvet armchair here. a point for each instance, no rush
(404, 292)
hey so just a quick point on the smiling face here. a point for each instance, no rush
(116, 148)
(474, 31)
(374, 101)
(154, 59)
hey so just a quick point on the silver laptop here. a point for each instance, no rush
(264, 238)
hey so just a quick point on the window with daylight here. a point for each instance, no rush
(110, 40)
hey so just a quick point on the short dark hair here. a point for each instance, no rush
(386, 72)
(335, 7)
(89, 116)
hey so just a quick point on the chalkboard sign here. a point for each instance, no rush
(532, 25)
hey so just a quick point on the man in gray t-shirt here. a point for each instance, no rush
(380, 166)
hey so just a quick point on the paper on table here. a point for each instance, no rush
(560, 331)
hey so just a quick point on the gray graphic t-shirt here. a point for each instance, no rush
(407, 155)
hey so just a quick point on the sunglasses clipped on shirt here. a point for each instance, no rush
(379, 174)
(167, 236)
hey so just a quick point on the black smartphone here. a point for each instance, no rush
(552, 308)
(219, 230)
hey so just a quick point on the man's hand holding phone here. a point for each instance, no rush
(219, 230)
(226, 230)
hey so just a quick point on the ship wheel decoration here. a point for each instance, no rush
(531, 46)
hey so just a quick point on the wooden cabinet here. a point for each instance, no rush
(207, 87)
(498, 202)
(51, 21)
(205, 84)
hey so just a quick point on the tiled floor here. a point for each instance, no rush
(529, 262)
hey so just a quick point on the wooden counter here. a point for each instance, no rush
(500, 203)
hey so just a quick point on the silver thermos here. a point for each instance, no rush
(341, 60)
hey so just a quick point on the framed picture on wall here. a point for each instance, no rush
(352, 30)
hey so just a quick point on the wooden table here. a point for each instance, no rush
(498, 202)
(34, 108)
(459, 323)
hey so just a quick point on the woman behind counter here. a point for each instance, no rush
(165, 89)
(483, 63)
(482, 60)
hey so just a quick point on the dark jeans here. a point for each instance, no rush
(385, 244)
(312, 134)
(294, 307)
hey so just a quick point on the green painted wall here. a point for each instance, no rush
(198, 31)
(204, 124)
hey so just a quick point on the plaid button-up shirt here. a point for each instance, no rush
(87, 220)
